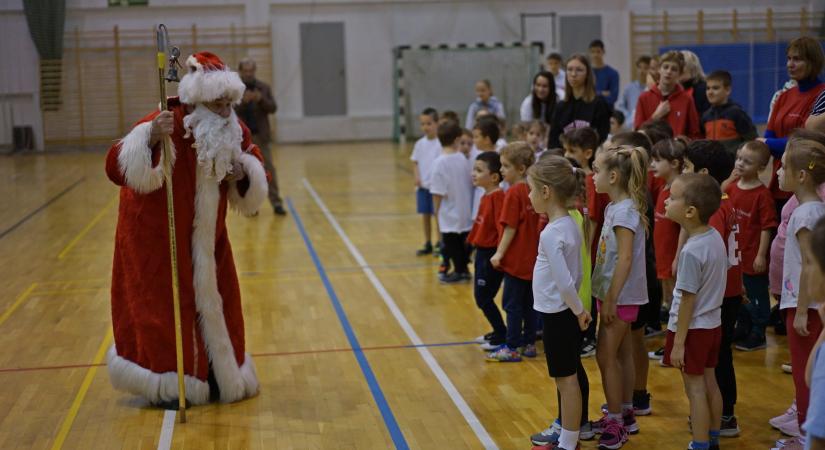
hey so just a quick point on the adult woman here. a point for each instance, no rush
(693, 80)
(542, 100)
(581, 106)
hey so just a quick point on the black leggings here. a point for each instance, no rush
(455, 251)
(725, 373)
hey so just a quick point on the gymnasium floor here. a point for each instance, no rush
(337, 274)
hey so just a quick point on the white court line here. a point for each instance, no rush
(165, 442)
(439, 373)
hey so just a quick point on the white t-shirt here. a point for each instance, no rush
(424, 154)
(634, 292)
(451, 179)
(805, 216)
(557, 274)
(703, 270)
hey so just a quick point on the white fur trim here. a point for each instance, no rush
(233, 385)
(250, 376)
(249, 203)
(135, 160)
(155, 387)
(204, 86)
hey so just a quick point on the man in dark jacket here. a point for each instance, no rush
(255, 107)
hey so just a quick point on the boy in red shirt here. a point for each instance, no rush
(484, 237)
(666, 163)
(756, 215)
(516, 255)
(712, 158)
(668, 100)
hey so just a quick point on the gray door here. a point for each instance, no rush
(577, 32)
(323, 71)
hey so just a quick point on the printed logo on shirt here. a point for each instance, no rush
(788, 285)
(576, 124)
(734, 255)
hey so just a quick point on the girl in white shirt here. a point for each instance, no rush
(554, 186)
(619, 282)
(802, 171)
(542, 100)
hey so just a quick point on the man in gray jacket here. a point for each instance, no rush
(255, 107)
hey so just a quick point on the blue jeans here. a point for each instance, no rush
(521, 317)
(758, 311)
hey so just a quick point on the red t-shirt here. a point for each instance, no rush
(655, 185)
(517, 212)
(755, 212)
(486, 231)
(665, 237)
(724, 220)
(790, 112)
(596, 204)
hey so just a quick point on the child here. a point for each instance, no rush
(519, 131)
(802, 171)
(815, 374)
(619, 282)
(536, 136)
(485, 100)
(448, 115)
(426, 150)
(452, 191)
(725, 121)
(554, 186)
(668, 100)
(465, 144)
(710, 157)
(516, 255)
(756, 215)
(666, 164)
(484, 237)
(581, 144)
(616, 123)
(694, 329)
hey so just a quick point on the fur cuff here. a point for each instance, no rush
(248, 203)
(155, 387)
(250, 376)
(135, 160)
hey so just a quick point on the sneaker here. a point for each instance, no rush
(588, 348)
(787, 368)
(630, 424)
(790, 428)
(453, 278)
(484, 338)
(493, 344)
(658, 354)
(787, 416)
(641, 404)
(504, 354)
(528, 351)
(613, 435)
(425, 250)
(586, 432)
(740, 333)
(651, 332)
(549, 436)
(466, 276)
(752, 343)
(790, 444)
(730, 427)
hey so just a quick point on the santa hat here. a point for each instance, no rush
(209, 79)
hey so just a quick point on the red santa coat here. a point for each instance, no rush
(142, 360)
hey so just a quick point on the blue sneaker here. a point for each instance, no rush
(504, 354)
(549, 436)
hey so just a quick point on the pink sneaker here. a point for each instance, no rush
(613, 434)
(787, 416)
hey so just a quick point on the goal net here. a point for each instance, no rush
(443, 78)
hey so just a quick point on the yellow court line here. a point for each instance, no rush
(67, 292)
(19, 301)
(86, 229)
(81, 394)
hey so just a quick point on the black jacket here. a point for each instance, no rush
(576, 113)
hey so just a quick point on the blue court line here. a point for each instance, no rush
(372, 382)
(41, 208)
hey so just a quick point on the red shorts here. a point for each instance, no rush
(701, 349)
(628, 313)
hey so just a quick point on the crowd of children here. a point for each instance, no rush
(672, 218)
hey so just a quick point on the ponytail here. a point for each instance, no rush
(631, 165)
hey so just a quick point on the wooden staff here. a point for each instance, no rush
(162, 39)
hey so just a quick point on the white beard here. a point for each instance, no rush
(217, 141)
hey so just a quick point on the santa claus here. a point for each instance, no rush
(214, 163)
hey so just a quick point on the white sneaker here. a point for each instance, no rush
(790, 428)
(788, 415)
(790, 444)
(787, 368)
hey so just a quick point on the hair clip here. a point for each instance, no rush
(811, 165)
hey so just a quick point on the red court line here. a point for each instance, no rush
(256, 355)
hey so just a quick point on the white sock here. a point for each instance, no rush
(626, 406)
(569, 439)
